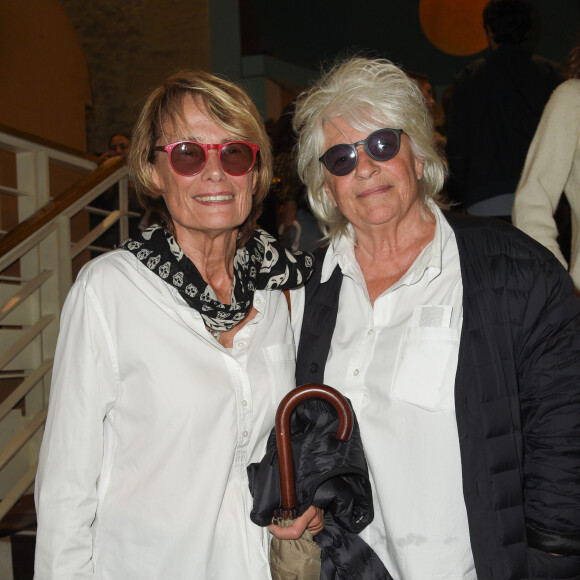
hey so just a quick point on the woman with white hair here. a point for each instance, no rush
(457, 340)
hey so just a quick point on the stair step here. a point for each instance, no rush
(21, 517)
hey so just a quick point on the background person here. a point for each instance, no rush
(426, 86)
(495, 108)
(173, 355)
(289, 229)
(457, 339)
(552, 168)
(119, 146)
(301, 231)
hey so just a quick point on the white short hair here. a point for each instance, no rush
(368, 94)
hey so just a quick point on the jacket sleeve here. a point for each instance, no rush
(549, 382)
(83, 389)
(550, 160)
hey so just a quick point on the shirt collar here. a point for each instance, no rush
(428, 263)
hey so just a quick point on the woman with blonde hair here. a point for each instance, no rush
(173, 354)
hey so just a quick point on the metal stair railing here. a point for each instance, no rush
(38, 262)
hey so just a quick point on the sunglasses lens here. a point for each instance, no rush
(187, 158)
(340, 159)
(237, 158)
(383, 145)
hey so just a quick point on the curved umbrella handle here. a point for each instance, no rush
(287, 405)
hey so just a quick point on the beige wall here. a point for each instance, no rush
(45, 88)
(45, 80)
(58, 56)
(76, 71)
(131, 47)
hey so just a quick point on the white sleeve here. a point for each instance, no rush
(548, 165)
(84, 388)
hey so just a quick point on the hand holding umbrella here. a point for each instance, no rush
(312, 520)
(292, 547)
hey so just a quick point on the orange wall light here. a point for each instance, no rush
(454, 26)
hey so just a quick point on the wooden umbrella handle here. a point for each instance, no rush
(288, 404)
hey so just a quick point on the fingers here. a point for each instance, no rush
(312, 519)
(316, 524)
(292, 532)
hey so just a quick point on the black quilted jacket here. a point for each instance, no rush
(517, 398)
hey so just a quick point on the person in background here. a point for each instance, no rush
(424, 83)
(289, 230)
(294, 219)
(173, 354)
(553, 168)
(456, 338)
(496, 106)
(426, 86)
(119, 146)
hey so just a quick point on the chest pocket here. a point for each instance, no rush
(425, 368)
(280, 360)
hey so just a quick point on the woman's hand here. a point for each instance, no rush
(312, 520)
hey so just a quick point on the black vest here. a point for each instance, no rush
(319, 320)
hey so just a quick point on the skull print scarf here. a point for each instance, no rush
(262, 264)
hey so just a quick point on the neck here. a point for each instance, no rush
(385, 256)
(394, 236)
(213, 256)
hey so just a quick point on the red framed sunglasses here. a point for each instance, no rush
(189, 157)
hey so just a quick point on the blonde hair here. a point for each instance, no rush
(368, 94)
(227, 105)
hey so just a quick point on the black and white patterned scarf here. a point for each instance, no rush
(262, 264)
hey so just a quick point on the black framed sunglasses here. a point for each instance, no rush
(189, 157)
(380, 145)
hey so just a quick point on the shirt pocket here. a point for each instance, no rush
(425, 368)
(281, 364)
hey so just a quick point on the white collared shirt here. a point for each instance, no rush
(151, 427)
(396, 362)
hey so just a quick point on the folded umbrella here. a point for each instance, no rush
(330, 473)
(293, 559)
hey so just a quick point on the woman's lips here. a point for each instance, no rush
(374, 191)
(214, 198)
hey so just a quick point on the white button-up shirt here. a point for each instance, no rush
(396, 362)
(151, 427)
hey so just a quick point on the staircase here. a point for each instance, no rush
(54, 233)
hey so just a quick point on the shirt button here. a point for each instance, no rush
(241, 345)
(245, 434)
(355, 373)
(244, 403)
(371, 331)
(313, 367)
(258, 301)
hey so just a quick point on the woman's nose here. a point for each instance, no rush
(365, 165)
(213, 166)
